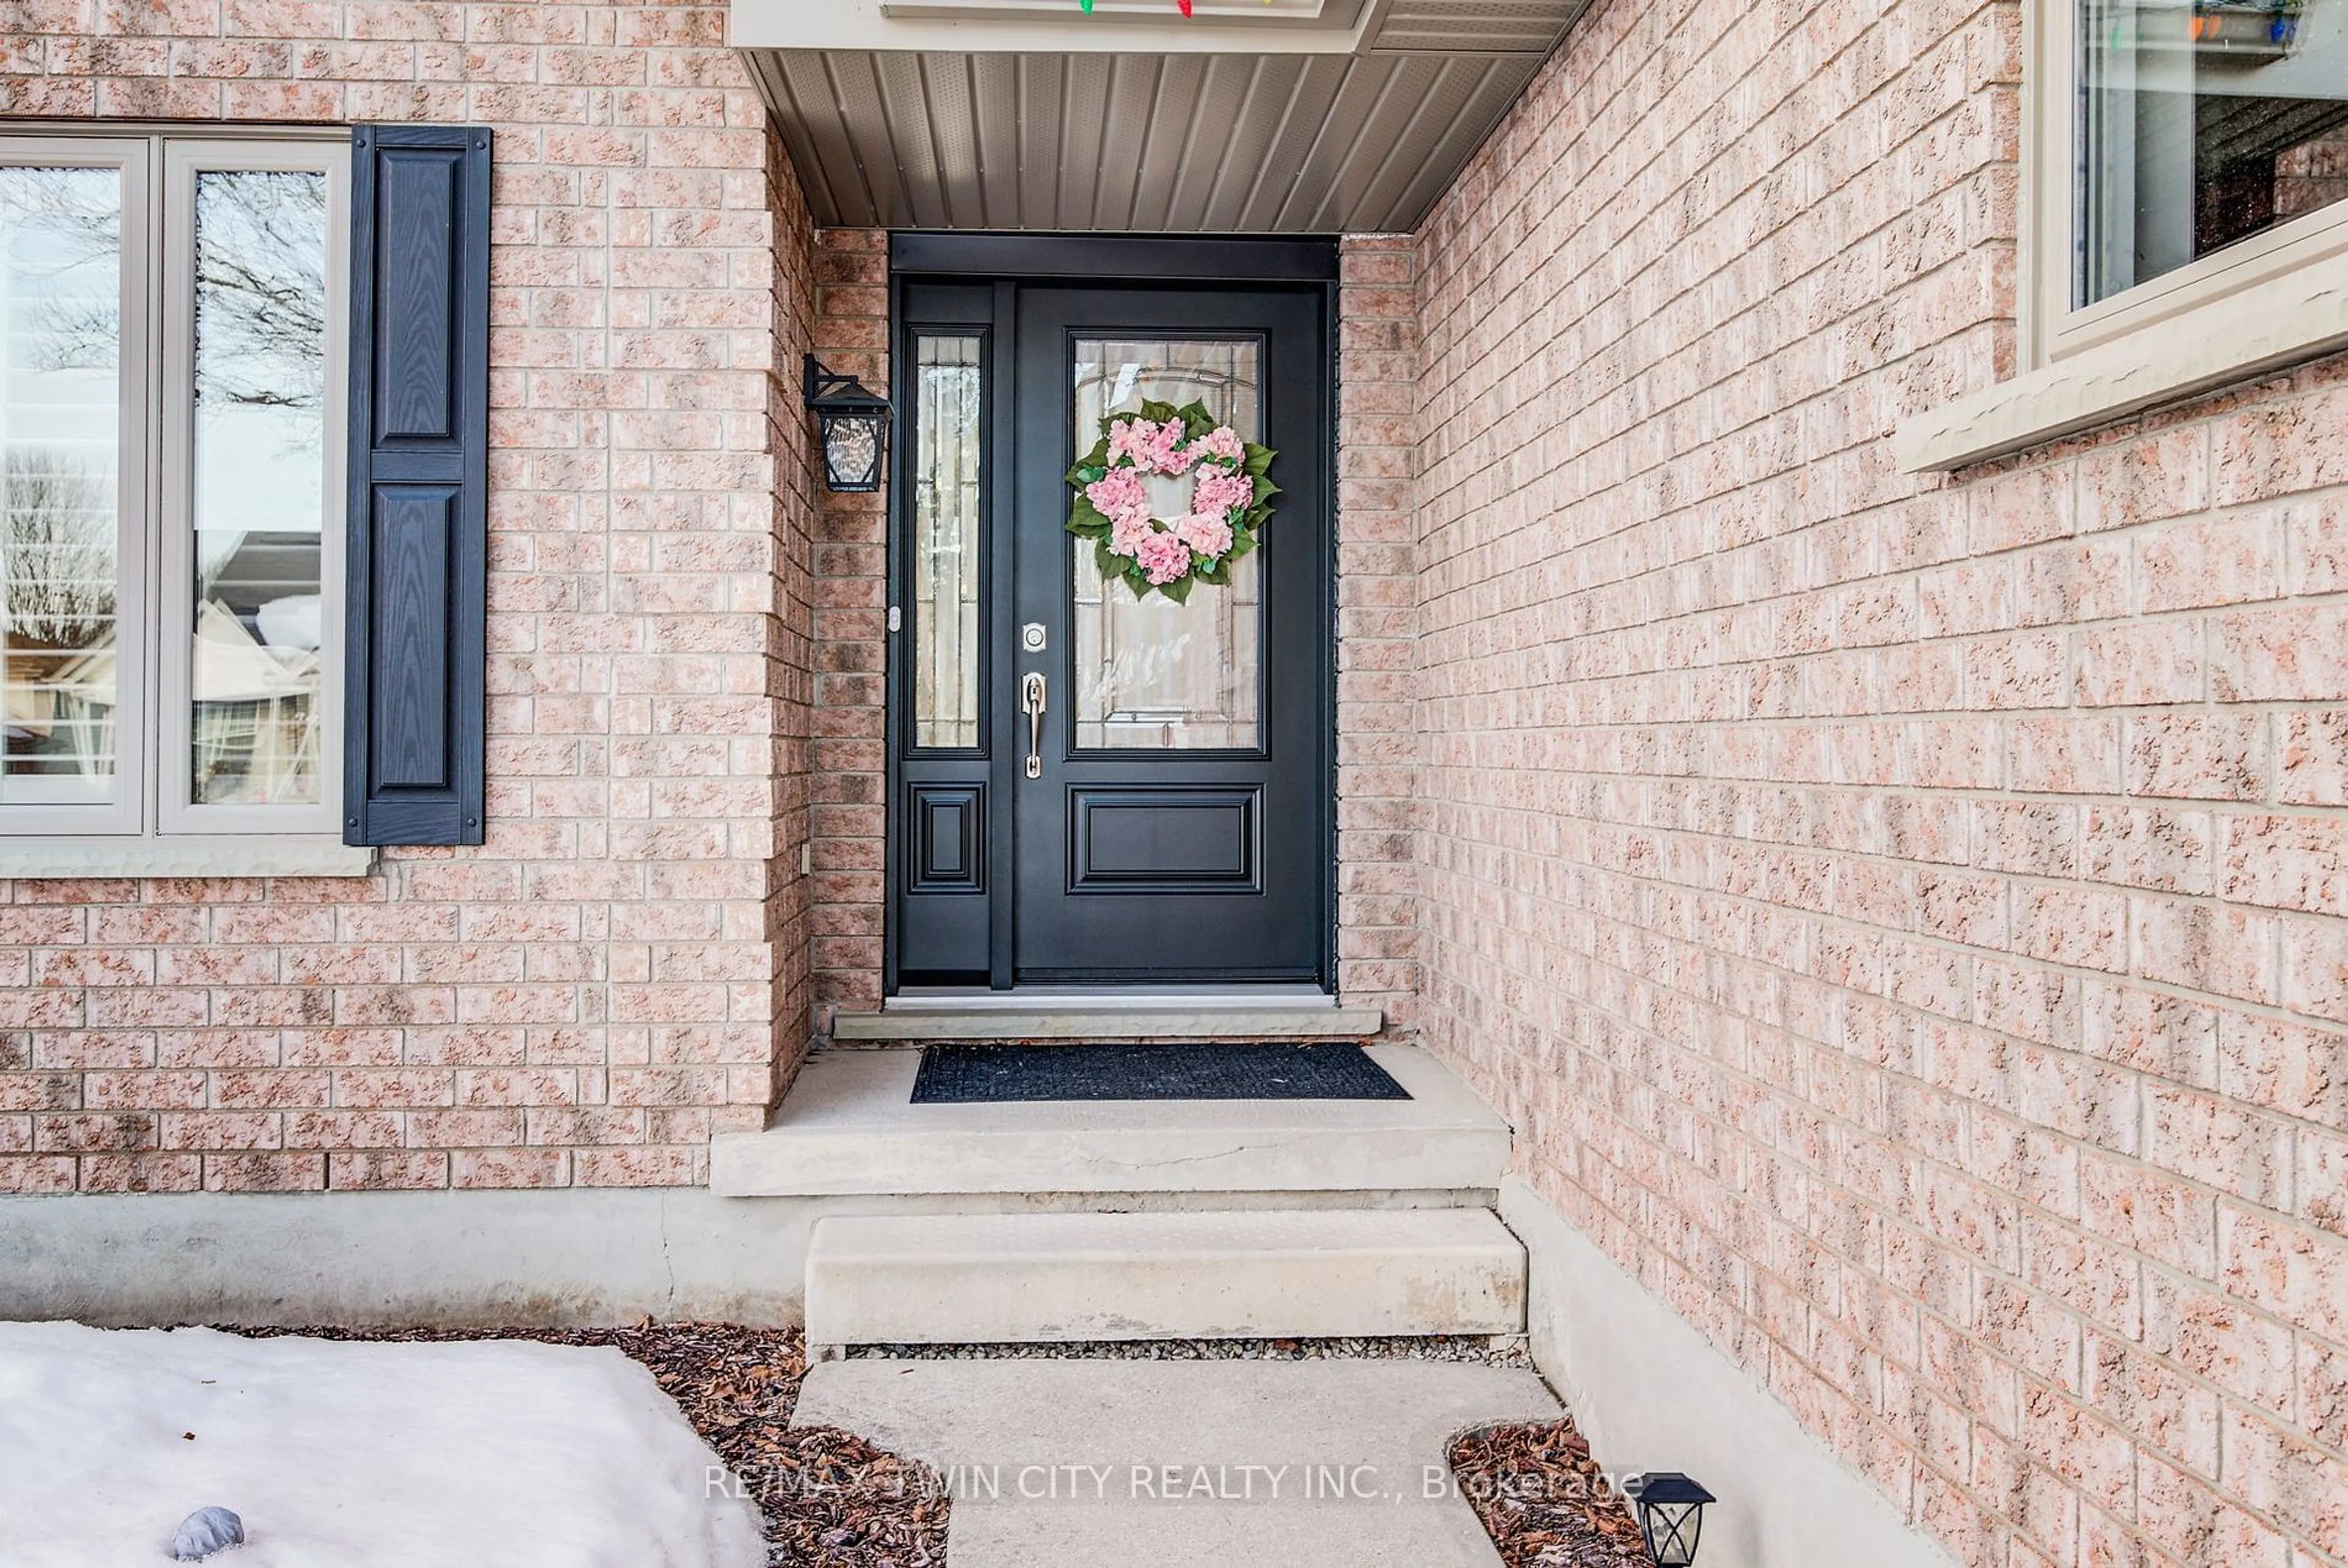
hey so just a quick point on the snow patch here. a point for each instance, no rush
(352, 1454)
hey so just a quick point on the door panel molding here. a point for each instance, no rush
(947, 851)
(1199, 838)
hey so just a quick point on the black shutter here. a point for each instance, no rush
(418, 544)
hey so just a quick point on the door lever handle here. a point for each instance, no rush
(1031, 703)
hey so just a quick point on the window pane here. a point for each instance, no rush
(60, 462)
(260, 485)
(2204, 122)
(947, 434)
(1151, 672)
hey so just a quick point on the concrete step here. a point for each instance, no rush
(1016, 1016)
(1180, 1464)
(849, 1126)
(1056, 1278)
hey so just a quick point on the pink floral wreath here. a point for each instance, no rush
(1230, 499)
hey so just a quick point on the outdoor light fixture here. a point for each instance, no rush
(1670, 1512)
(852, 425)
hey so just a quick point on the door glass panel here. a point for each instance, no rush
(259, 487)
(1151, 674)
(60, 459)
(948, 434)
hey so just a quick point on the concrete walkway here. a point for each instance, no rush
(1187, 1464)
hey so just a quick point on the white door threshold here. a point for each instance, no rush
(1111, 1015)
(1106, 998)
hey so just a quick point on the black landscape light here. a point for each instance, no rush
(852, 425)
(1670, 1512)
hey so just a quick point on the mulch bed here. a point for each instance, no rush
(829, 1497)
(1543, 1499)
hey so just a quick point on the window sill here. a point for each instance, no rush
(2298, 316)
(225, 855)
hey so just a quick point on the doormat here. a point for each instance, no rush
(985, 1074)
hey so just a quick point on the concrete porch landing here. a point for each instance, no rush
(849, 1127)
(1172, 1464)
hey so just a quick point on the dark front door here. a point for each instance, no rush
(1165, 816)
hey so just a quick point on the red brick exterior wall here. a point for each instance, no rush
(1378, 808)
(621, 968)
(1906, 918)
(851, 818)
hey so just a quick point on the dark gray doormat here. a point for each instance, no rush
(980, 1074)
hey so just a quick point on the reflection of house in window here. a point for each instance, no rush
(254, 738)
(56, 604)
(60, 709)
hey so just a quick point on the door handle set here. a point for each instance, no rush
(1032, 703)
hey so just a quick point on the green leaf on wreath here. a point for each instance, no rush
(1177, 590)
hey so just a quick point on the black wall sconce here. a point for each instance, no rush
(851, 425)
(1671, 1514)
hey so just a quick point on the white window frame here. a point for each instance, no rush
(133, 480)
(155, 826)
(2264, 302)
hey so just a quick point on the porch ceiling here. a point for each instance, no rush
(1264, 116)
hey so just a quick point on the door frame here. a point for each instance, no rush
(1000, 261)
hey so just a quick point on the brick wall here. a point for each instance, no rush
(621, 969)
(851, 580)
(1906, 918)
(1378, 810)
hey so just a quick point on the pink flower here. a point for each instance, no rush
(1223, 442)
(1221, 491)
(1151, 444)
(1119, 491)
(1164, 558)
(1208, 535)
(1126, 533)
(1131, 438)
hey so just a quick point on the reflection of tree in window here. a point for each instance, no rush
(260, 290)
(57, 609)
(60, 355)
(260, 395)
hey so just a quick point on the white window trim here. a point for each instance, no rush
(2263, 303)
(176, 814)
(149, 830)
(134, 483)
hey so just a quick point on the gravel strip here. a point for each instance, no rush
(1505, 1351)
(829, 1497)
(1543, 1499)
